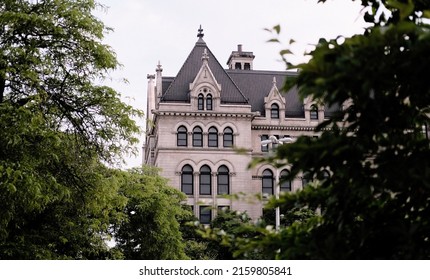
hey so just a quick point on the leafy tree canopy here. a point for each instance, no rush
(58, 125)
(375, 204)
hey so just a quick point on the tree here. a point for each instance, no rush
(151, 229)
(375, 204)
(59, 126)
(52, 57)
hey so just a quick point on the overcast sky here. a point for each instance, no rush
(148, 31)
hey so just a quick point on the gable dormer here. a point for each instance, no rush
(205, 91)
(274, 103)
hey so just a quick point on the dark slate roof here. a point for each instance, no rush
(178, 90)
(256, 85)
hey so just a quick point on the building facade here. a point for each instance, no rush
(199, 119)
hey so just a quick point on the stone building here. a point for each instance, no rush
(198, 118)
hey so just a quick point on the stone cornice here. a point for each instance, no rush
(205, 114)
(283, 127)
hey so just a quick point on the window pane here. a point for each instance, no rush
(314, 112)
(267, 182)
(205, 180)
(205, 214)
(197, 137)
(228, 137)
(213, 137)
(182, 136)
(209, 102)
(266, 147)
(187, 180)
(274, 111)
(200, 102)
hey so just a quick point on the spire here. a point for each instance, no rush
(200, 34)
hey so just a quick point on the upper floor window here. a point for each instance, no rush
(223, 180)
(213, 137)
(264, 148)
(197, 137)
(209, 102)
(267, 182)
(228, 137)
(187, 184)
(200, 104)
(314, 112)
(274, 111)
(285, 184)
(205, 180)
(181, 137)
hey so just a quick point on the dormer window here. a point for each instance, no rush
(314, 112)
(200, 103)
(274, 111)
(209, 102)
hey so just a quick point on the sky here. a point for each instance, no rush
(148, 31)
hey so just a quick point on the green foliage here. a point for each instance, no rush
(151, 229)
(52, 56)
(375, 204)
(56, 201)
(57, 126)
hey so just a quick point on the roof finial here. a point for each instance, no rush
(274, 81)
(200, 34)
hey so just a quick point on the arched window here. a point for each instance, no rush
(200, 104)
(228, 137)
(285, 184)
(306, 179)
(209, 102)
(223, 180)
(274, 111)
(187, 184)
(197, 137)
(213, 137)
(267, 182)
(205, 180)
(181, 137)
(314, 112)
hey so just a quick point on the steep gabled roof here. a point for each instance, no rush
(178, 90)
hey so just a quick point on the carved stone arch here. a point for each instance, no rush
(205, 162)
(227, 163)
(184, 162)
(182, 123)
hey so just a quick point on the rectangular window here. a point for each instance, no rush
(264, 148)
(205, 215)
(213, 140)
(182, 139)
(197, 140)
(223, 184)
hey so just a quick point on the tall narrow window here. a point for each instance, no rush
(200, 104)
(197, 137)
(187, 185)
(274, 111)
(228, 137)
(306, 179)
(209, 102)
(314, 112)
(205, 180)
(223, 180)
(285, 184)
(213, 137)
(181, 137)
(205, 214)
(264, 148)
(267, 182)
